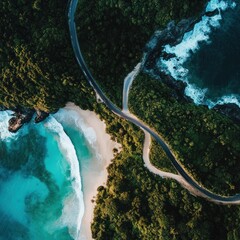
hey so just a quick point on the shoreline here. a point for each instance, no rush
(176, 50)
(96, 175)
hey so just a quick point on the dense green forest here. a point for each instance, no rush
(38, 67)
(137, 205)
(159, 158)
(36, 50)
(38, 70)
(113, 34)
(206, 142)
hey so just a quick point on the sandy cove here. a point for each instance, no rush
(96, 174)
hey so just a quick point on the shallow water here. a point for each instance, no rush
(40, 184)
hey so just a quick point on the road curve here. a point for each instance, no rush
(127, 84)
(75, 44)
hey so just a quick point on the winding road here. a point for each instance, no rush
(192, 184)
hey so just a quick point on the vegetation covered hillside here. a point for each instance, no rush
(136, 205)
(113, 34)
(38, 68)
(206, 142)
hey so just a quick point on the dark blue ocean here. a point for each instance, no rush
(208, 58)
(216, 65)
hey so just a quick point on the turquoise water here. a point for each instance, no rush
(40, 182)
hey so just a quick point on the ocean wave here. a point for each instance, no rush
(233, 98)
(72, 201)
(72, 118)
(190, 44)
(5, 135)
(73, 206)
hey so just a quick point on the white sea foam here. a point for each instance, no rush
(227, 99)
(190, 44)
(73, 206)
(72, 118)
(219, 4)
(5, 135)
(196, 93)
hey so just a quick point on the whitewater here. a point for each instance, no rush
(41, 196)
(192, 42)
(41, 191)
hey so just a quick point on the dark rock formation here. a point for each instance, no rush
(212, 13)
(178, 87)
(2, 108)
(231, 110)
(21, 116)
(173, 35)
(41, 116)
(24, 115)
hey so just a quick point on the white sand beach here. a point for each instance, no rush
(96, 174)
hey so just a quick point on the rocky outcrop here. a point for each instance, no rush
(212, 13)
(2, 108)
(21, 116)
(178, 87)
(24, 115)
(231, 110)
(41, 116)
(173, 35)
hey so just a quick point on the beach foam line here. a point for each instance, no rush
(190, 44)
(233, 98)
(101, 147)
(5, 135)
(71, 117)
(73, 205)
